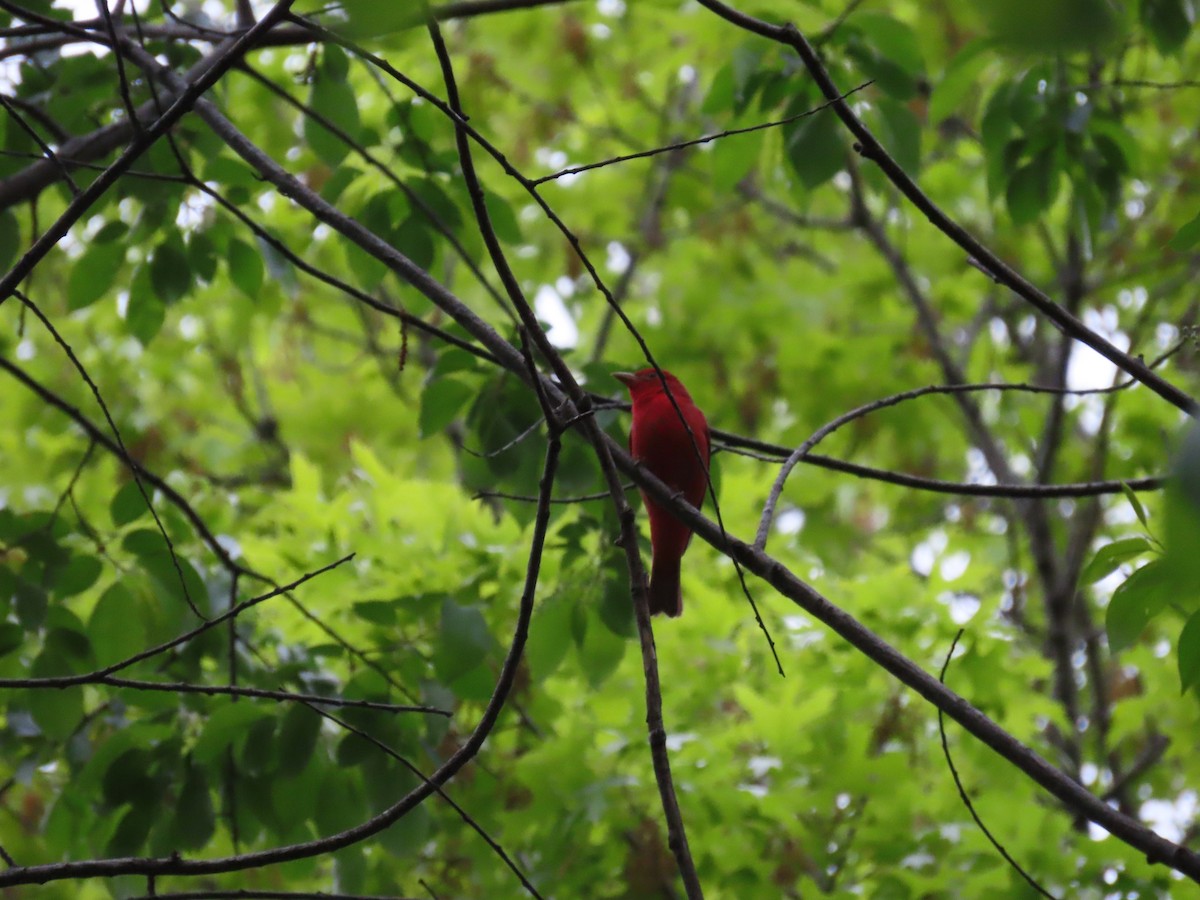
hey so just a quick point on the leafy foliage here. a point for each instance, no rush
(275, 422)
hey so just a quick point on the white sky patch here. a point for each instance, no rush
(963, 607)
(1086, 368)
(1170, 818)
(565, 287)
(925, 554)
(790, 521)
(954, 565)
(618, 258)
(761, 765)
(977, 468)
(550, 309)
(677, 741)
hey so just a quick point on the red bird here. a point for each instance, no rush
(660, 441)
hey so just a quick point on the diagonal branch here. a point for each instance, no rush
(870, 148)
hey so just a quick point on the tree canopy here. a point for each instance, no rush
(321, 556)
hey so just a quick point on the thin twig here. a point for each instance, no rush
(962, 792)
(708, 138)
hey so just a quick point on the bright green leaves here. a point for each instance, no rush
(333, 98)
(1168, 22)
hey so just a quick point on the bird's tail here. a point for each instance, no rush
(665, 595)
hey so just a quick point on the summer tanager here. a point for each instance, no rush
(660, 441)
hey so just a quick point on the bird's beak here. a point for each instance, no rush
(626, 378)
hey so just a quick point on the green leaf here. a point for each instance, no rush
(888, 52)
(504, 220)
(110, 231)
(145, 311)
(93, 274)
(413, 239)
(333, 98)
(116, 626)
(409, 834)
(194, 821)
(1141, 597)
(463, 641)
(379, 612)
(995, 128)
(733, 158)
(433, 195)
(225, 727)
(279, 267)
(1058, 27)
(340, 802)
(10, 239)
(338, 182)
(1187, 236)
(1109, 557)
(297, 738)
(12, 636)
(1138, 509)
(719, 98)
(127, 778)
(441, 402)
(202, 256)
(902, 134)
(174, 576)
(601, 651)
(960, 77)
(1169, 22)
(549, 637)
(1032, 189)
(79, 574)
(170, 273)
(371, 19)
(57, 711)
(1189, 653)
(132, 831)
(245, 268)
(813, 146)
(128, 504)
